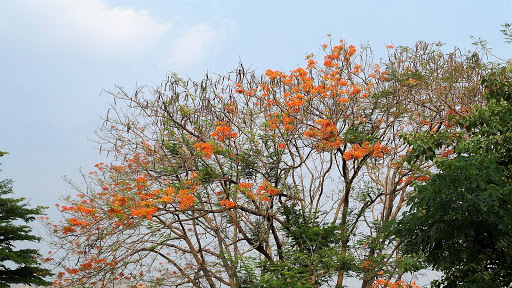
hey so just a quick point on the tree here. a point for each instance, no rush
(460, 221)
(310, 258)
(241, 178)
(18, 265)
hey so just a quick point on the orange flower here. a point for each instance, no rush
(351, 51)
(367, 265)
(328, 63)
(204, 148)
(76, 222)
(245, 185)
(281, 145)
(379, 150)
(186, 199)
(85, 210)
(272, 74)
(267, 189)
(72, 271)
(357, 152)
(68, 229)
(327, 135)
(227, 203)
(311, 64)
(357, 69)
(144, 212)
(288, 127)
(355, 90)
(166, 199)
(222, 131)
(381, 283)
(343, 82)
(231, 107)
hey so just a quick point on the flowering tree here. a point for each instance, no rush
(238, 180)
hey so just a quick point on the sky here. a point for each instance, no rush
(58, 56)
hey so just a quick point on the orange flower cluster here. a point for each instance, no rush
(206, 149)
(186, 199)
(119, 200)
(79, 208)
(273, 74)
(231, 107)
(446, 153)
(351, 51)
(265, 190)
(338, 50)
(295, 102)
(355, 90)
(227, 203)
(76, 222)
(386, 283)
(239, 88)
(72, 271)
(100, 166)
(367, 265)
(68, 229)
(357, 152)
(144, 212)
(141, 183)
(90, 264)
(412, 178)
(328, 63)
(276, 120)
(311, 64)
(168, 196)
(222, 131)
(327, 135)
(245, 185)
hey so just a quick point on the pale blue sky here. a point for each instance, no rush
(56, 56)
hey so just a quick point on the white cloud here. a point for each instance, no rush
(196, 43)
(86, 25)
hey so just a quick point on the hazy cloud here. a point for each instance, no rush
(83, 25)
(197, 43)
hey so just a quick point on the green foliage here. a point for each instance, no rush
(507, 32)
(490, 126)
(309, 258)
(2, 153)
(425, 144)
(359, 134)
(18, 265)
(460, 221)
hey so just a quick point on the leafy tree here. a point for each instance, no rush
(460, 221)
(309, 259)
(288, 176)
(507, 32)
(18, 265)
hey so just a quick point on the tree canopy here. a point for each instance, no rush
(284, 179)
(18, 266)
(460, 221)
